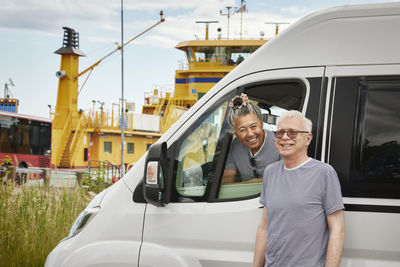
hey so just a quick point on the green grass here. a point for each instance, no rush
(34, 219)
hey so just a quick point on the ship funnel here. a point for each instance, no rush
(70, 43)
(71, 38)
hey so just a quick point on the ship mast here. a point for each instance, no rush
(241, 10)
(6, 89)
(228, 14)
(276, 25)
(207, 22)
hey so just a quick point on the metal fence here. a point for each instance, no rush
(108, 172)
(42, 176)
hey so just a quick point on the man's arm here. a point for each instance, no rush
(336, 238)
(261, 241)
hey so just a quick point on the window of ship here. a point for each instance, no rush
(130, 148)
(189, 53)
(254, 48)
(225, 55)
(107, 147)
(239, 53)
(232, 55)
(205, 53)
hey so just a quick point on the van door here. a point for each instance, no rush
(363, 145)
(206, 223)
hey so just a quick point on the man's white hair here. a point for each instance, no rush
(294, 113)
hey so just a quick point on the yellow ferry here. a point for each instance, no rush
(89, 138)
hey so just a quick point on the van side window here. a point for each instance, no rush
(377, 156)
(203, 151)
(273, 98)
(197, 152)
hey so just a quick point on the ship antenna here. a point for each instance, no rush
(241, 10)
(7, 91)
(228, 14)
(276, 25)
(207, 22)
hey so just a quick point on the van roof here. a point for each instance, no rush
(343, 35)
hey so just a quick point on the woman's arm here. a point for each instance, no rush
(229, 176)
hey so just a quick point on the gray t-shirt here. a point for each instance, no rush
(239, 157)
(298, 201)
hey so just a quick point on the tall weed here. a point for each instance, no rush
(97, 180)
(34, 219)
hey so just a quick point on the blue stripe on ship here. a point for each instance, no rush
(198, 80)
(180, 81)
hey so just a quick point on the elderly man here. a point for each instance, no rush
(303, 220)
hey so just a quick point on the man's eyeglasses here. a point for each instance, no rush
(253, 164)
(292, 134)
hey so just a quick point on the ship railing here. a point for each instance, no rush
(175, 109)
(105, 169)
(110, 120)
(102, 119)
(183, 64)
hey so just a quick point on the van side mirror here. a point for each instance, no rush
(154, 172)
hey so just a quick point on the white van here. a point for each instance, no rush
(341, 68)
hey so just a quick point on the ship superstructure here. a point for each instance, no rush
(207, 62)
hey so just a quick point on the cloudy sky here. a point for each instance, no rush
(31, 30)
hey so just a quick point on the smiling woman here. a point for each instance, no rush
(249, 131)
(253, 149)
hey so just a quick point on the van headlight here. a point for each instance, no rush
(83, 218)
(86, 215)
